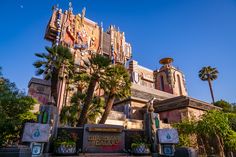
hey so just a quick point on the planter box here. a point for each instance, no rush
(65, 150)
(15, 152)
(141, 150)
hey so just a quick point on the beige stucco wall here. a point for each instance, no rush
(173, 80)
(174, 116)
(136, 110)
(177, 115)
(179, 87)
(195, 113)
(145, 75)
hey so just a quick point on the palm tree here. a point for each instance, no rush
(116, 85)
(69, 114)
(95, 110)
(55, 64)
(209, 74)
(96, 67)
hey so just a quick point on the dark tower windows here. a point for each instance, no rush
(179, 83)
(162, 86)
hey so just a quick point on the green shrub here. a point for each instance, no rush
(15, 111)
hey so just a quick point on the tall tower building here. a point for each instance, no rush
(84, 37)
(170, 79)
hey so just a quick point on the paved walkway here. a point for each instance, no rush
(97, 155)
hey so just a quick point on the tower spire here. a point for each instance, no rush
(70, 7)
(55, 7)
(83, 12)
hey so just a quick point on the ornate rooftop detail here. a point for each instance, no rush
(86, 36)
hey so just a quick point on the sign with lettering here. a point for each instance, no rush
(102, 138)
(168, 136)
(36, 132)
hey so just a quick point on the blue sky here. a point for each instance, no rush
(195, 33)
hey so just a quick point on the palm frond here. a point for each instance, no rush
(40, 55)
(48, 76)
(50, 50)
(39, 64)
(208, 73)
(39, 71)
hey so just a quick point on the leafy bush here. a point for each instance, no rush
(232, 120)
(215, 128)
(15, 111)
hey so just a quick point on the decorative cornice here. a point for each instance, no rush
(183, 102)
(39, 81)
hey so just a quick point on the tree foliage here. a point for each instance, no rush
(116, 85)
(55, 64)
(208, 73)
(230, 110)
(95, 68)
(214, 126)
(226, 106)
(70, 114)
(15, 110)
(214, 122)
(185, 129)
(232, 120)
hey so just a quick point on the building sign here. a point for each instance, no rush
(103, 138)
(168, 136)
(36, 132)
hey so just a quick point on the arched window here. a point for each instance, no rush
(162, 87)
(180, 87)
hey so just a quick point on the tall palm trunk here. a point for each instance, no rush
(109, 104)
(211, 90)
(54, 82)
(67, 91)
(88, 101)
